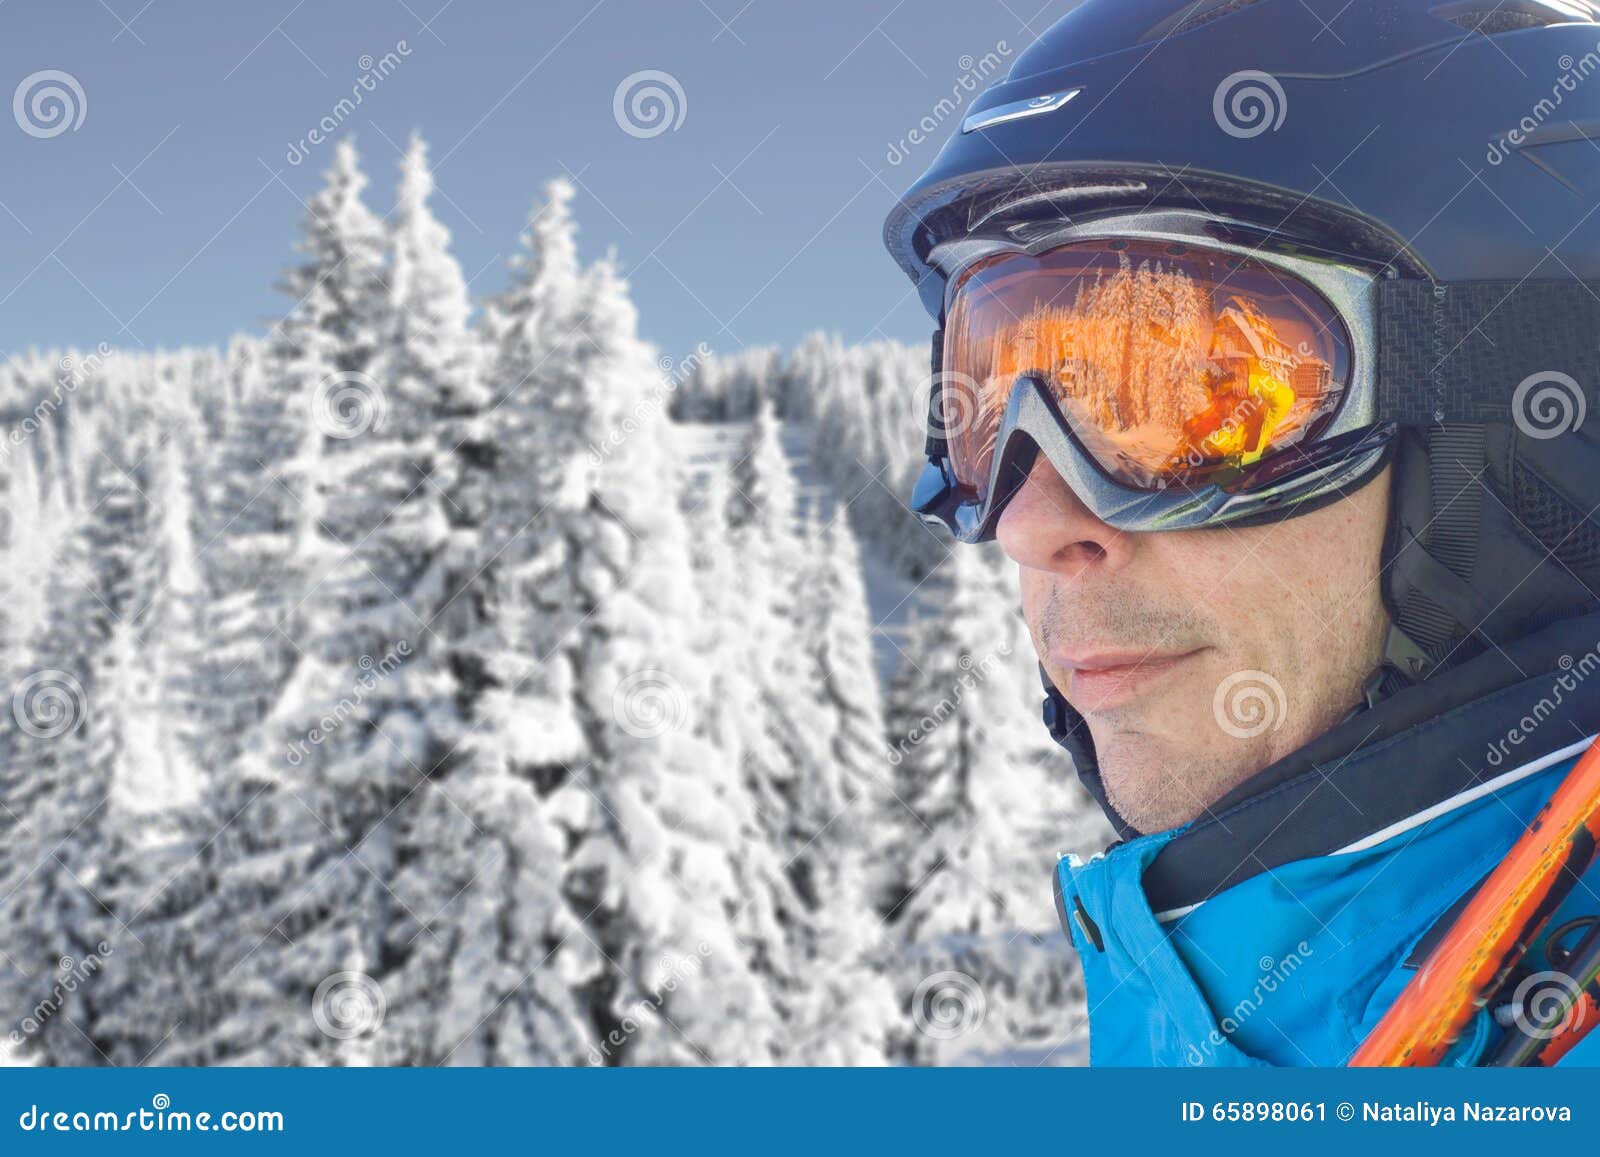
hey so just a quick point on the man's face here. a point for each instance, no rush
(1198, 657)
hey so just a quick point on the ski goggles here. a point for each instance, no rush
(1172, 381)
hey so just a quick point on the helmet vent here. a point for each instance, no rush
(1196, 15)
(1019, 213)
(1491, 19)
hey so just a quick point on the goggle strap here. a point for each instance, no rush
(1459, 351)
(1430, 567)
(936, 446)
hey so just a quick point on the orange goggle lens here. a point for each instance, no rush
(1172, 364)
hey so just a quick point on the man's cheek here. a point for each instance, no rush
(1033, 614)
(1183, 708)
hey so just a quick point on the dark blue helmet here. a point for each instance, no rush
(1453, 139)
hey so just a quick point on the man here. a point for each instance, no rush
(1277, 393)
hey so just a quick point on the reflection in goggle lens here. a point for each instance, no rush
(1171, 366)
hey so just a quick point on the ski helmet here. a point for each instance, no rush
(1448, 150)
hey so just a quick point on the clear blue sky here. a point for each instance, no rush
(164, 217)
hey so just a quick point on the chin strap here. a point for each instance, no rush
(1057, 713)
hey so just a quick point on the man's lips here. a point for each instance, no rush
(1101, 680)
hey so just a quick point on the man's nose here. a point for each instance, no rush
(1047, 527)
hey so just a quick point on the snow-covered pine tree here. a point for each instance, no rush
(732, 701)
(658, 855)
(836, 631)
(251, 551)
(338, 289)
(77, 730)
(35, 516)
(763, 507)
(651, 876)
(847, 1009)
(188, 893)
(532, 331)
(488, 974)
(324, 346)
(700, 397)
(478, 976)
(433, 352)
(727, 387)
(870, 404)
(785, 735)
(812, 375)
(810, 735)
(976, 844)
(303, 869)
(155, 692)
(170, 621)
(265, 550)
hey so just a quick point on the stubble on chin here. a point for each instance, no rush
(1156, 783)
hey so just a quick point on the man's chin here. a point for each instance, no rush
(1161, 780)
(1155, 721)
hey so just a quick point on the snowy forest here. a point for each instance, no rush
(428, 680)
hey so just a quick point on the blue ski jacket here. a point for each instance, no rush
(1278, 929)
